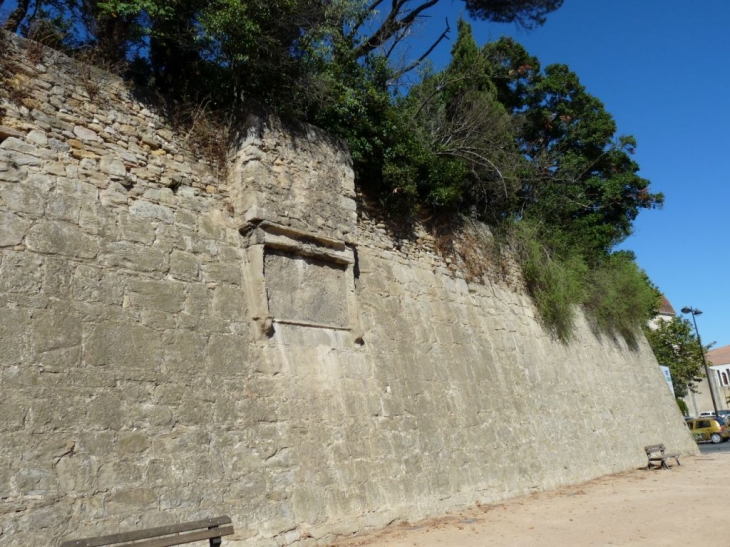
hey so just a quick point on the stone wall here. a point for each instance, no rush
(175, 344)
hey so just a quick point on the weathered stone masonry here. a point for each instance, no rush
(174, 345)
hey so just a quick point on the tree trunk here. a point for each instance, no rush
(16, 17)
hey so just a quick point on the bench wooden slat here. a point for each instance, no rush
(661, 458)
(187, 537)
(127, 537)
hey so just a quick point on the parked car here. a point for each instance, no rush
(705, 429)
(711, 414)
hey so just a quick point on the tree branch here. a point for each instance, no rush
(418, 61)
(16, 17)
(392, 25)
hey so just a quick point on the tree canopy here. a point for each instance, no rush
(675, 346)
(258, 44)
(493, 135)
(584, 179)
(535, 145)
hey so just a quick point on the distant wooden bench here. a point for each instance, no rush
(656, 454)
(212, 529)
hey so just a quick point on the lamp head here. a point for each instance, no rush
(692, 311)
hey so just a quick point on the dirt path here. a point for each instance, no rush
(685, 506)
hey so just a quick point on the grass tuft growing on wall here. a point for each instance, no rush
(555, 282)
(621, 298)
(615, 295)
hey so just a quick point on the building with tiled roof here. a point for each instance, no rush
(665, 308)
(664, 313)
(718, 364)
(718, 361)
(719, 356)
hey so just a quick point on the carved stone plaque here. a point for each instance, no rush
(304, 289)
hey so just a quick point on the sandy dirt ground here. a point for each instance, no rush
(683, 506)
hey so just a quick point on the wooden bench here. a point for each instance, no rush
(212, 529)
(656, 454)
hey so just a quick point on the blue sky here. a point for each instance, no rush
(661, 69)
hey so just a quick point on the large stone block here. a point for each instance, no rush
(53, 410)
(121, 473)
(14, 144)
(104, 412)
(132, 443)
(12, 229)
(21, 273)
(24, 198)
(133, 256)
(14, 408)
(92, 284)
(18, 161)
(228, 355)
(135, 229)
(69, 198)
(218, 272)
(132, 500)
(184, 266)
(152, 211)
(76, 473)
(167, 296)
(185, 353)
(41, 522)
(55, 329)
(61, 238)
(229, 303)
(58, 277)
(36, 482)
(125, 346)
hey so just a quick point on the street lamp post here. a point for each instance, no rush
(695, 312)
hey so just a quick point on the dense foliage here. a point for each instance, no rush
(534, 154)
(493, 136)
(675, 346)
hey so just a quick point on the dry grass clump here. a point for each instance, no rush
(471, 248)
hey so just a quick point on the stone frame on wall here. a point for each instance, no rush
(267, 237)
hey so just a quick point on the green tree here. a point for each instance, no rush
(456, 115)
(675, 346)
(527, 13)
(583, 182)
(15, 18)
(262, 48)
(620, 298)
(393, 24)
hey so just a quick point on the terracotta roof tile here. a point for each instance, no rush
(665, 308)
(719, 356)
